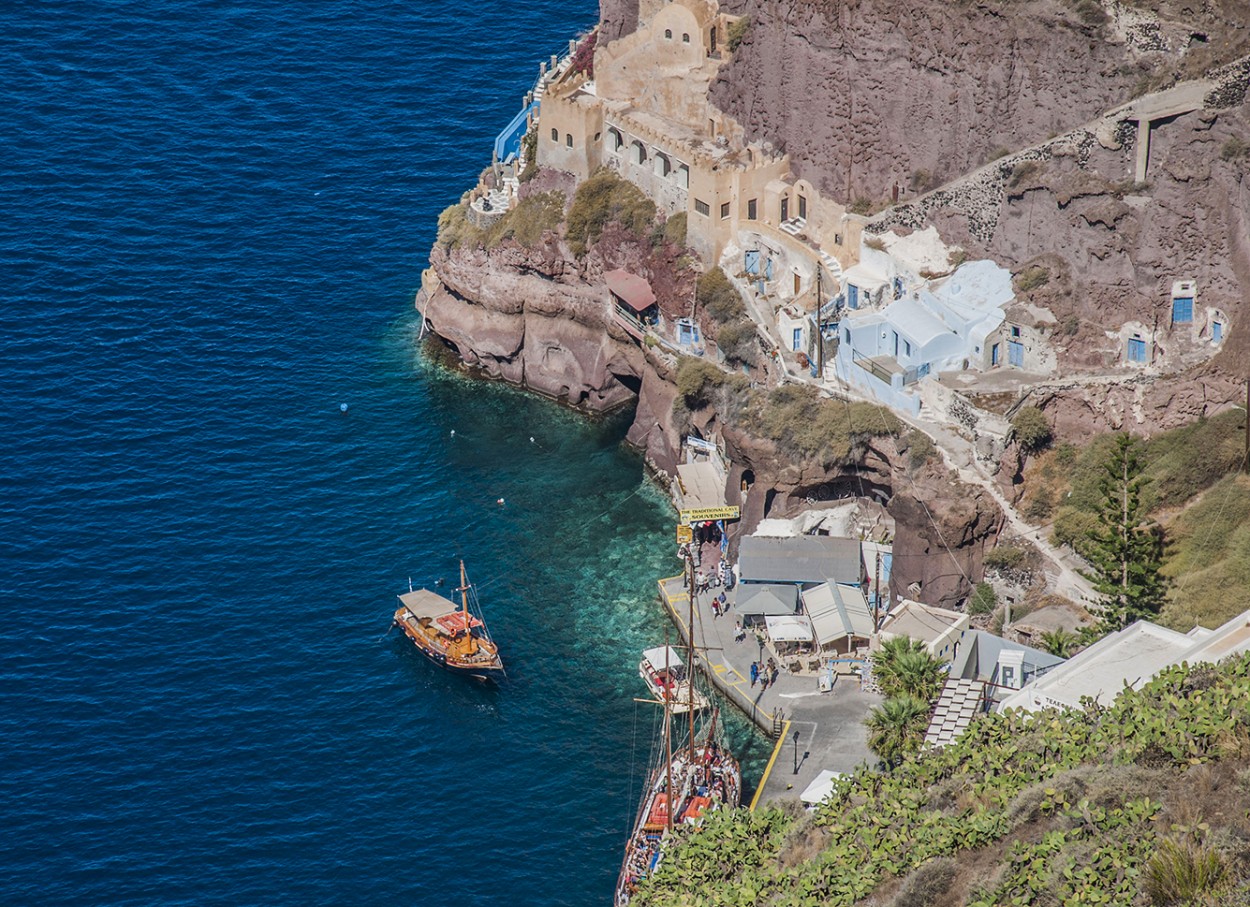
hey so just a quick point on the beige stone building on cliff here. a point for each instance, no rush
(646, 115)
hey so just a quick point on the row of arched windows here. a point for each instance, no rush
(639, 156)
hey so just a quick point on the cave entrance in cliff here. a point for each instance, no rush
(631, 382)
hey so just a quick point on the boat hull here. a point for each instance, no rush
(491, 671)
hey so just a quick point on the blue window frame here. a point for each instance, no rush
(1015, 354)
(1136, 350)
(1183, 310)
(798, 339)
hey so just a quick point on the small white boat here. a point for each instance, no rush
(666, 676)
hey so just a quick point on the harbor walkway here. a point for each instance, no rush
(831, 732)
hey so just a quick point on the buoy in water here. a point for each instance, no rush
(500, 502)
(453, 432)
(342, 407)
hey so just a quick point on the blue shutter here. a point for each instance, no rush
(768, 269)
(798, 339)
(1217, 331)
(1182, 311)
(1015, 353)
(753, 261)
(852, 296)
(923, 371)
(1136, 350)
(994, 355)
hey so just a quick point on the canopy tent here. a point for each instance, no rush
(789, 628)
(816, 792)
(838, 612)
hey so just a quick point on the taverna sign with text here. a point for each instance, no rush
(703, 514)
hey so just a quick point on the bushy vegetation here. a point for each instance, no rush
(1072, 808)
(525, 224)
(983, 600)
(737, 33)
(735, 332)
(604, 198)
(1031, 429)
(1032, 278)
(807, 425)
(699, 380)
(1208, 559)
(1234, 149)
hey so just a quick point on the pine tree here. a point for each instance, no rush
(1126, 549)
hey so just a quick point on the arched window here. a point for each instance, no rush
(663, 166)
(615, 140)
(668, 33)
(555, 134)
(638, 153)
(568, 139)
(685, 38)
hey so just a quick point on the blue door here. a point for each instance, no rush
(1015, 354)
(798, 339)
(1136, 350)
(768, 269)
(1217, 331)
(753, 261)
(852, 296)
(1182, 311)
(994, 355)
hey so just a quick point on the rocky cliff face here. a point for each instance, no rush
(539, 318)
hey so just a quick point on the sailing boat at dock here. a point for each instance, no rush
(684, 784)
(453, 637)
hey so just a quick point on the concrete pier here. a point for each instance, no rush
(830, 725)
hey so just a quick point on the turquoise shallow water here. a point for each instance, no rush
(215, 219)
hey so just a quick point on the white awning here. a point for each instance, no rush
(655, 657)
(789, 628)
(821, 788)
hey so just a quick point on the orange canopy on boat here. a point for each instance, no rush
(696, 808)
(659, 810)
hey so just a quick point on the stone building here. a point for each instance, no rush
(646, 115)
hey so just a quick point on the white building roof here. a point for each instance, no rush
(788, 628)
(916, 321)
(923, 622)
(1130, 656)
(837, 612)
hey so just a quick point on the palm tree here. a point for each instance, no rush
(1059, 642)
(896, 728)
(904, 667)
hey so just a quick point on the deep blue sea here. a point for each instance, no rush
(214, 219)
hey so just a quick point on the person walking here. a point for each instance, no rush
(755, 672)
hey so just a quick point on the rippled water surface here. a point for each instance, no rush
(215, 217)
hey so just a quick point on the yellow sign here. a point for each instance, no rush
(685, 535)
(710, 513)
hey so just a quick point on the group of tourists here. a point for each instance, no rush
(765, 673)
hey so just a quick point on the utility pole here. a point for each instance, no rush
(876, 595)
(820, 328)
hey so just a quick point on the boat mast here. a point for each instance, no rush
(464, 604)
(690, 667)
(668, 738)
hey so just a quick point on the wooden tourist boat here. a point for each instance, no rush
(453, 637)
(665, 675)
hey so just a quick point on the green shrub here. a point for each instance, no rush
(920, 449)
(983, 600)
(1072, 527)
(717, 296)
(675, 229)
(1031, 429)
(804, 424)
(528, 221)
(454, 229)
(696, 379)
(529, 148)
(738, 340)
(737, 33)
(927, 885)
(1032, 278)
(861, 205)
(604, 198)
(1040, 506)
(1182, 462)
